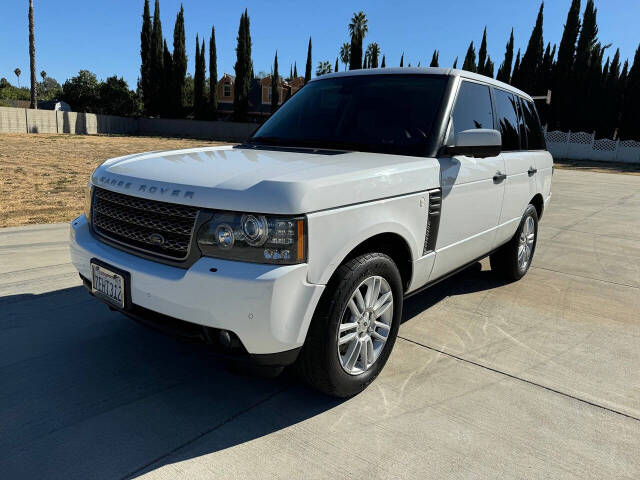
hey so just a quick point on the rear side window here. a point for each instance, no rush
(507, 116)
(473, 108)
(535, 137)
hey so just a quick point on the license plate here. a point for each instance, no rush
(107, 285)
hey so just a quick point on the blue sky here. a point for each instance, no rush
(103, 36)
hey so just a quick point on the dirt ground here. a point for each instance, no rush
(601, 167)
(42, 177)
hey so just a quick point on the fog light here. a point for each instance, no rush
(225, 338)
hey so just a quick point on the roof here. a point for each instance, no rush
(450, 72)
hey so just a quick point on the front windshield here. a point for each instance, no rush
(374, 113)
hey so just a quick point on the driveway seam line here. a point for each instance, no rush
(585, 277)
(203, 434)
(515, 377)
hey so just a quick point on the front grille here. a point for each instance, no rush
(140, 223)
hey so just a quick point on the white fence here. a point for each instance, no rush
(584, 146)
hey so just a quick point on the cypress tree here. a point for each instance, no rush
(455, 63)
(179, 65)
(560, 108)
(529, 78)
(335, 68)
(567, 48)
(402, 60)
(469, 63)
(275, 93)
(295, 70)
(167, 80)
(145, 55)
(516, 70)
(489, 67)
(243, 69)
(290, 72)
(587, 39)
(631, 115)
(384, 62)
(213, 74)
(593, 115)
(197, 85)
(482, 53)
(504, 72)
(307, 72)
(157, 60)
(199, 95)
(434, 59)
(580, 83)
(546, 67)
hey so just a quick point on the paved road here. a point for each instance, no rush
(537, 379)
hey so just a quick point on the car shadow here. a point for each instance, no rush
(88, 393)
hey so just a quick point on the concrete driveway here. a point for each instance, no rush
(536, 379)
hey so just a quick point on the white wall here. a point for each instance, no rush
(21, 120)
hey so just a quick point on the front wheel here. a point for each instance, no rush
(355, 326)
(513, 260)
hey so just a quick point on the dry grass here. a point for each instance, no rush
(42, 177)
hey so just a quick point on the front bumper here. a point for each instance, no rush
(268, 307)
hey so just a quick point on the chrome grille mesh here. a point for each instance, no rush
(140, 223)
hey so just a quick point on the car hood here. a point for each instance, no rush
(284, 181)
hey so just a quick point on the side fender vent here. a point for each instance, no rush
(433, 221)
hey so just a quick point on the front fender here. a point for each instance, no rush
(334, 233)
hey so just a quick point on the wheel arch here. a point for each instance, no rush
(538, 202)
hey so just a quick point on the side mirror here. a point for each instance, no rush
(480, 142)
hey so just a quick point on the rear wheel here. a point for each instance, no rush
(513, 260)
(354, 327)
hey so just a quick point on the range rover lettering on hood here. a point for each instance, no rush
(152, 189)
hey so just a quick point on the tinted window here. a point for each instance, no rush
(473, 108)
(535, 137)
(507, 115)
(375, 113)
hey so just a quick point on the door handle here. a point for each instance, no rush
(499, 177)
(532, 171)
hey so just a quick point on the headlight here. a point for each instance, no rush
(88, 194)
(254, 238)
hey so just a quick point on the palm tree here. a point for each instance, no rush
(372, 54)
(43, 74)
(17, 71)
(323, 68)
(358, 29)
(32, 58)
(345, 54)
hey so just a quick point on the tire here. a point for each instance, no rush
(323, 363)
(507, 261)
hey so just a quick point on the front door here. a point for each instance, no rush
(472, 188)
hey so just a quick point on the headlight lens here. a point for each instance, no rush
(254, 238)
(88, 195)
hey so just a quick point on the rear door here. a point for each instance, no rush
(520, 186)
(471, 198)
(537, 148)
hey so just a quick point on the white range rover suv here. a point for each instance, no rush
(300, 244)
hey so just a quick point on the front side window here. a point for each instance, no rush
(226, 91)
(374, 113)
(473, 108)
(507, 115)
(535, 136)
